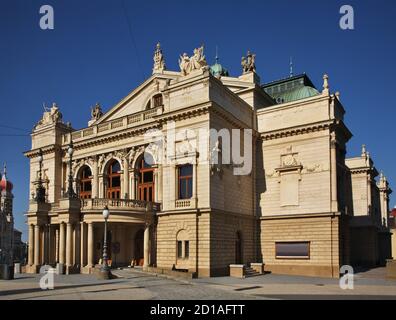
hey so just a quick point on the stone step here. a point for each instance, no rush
(249, 272)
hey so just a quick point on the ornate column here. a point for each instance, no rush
(125, 175)
(69, 245)
(83, 235)
(36, 245)
(133, 184)
(76, 245)
(62, 243)
(95, 185)
(146, 246)
(31, 245)
(56, 245)
(90, 245)
(101, 187)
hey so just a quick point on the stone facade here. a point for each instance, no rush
(296, 210)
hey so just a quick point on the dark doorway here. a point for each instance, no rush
(139, 255)
(238, 248)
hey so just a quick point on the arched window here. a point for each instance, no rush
(148, 105)
(157, 100)
(185, 177)
(145, 179)
(182, 245)
(85, 183)
(114, 180)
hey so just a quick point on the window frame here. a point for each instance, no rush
(293, 257)
(187, 179)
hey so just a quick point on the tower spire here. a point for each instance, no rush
(217, 55)
(5, 169)
(291, 67)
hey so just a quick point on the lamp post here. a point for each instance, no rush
(105, 270)
(70, 194)
(40, 191)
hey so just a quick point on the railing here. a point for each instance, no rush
(129, 120)
(185, 203)
(120, 204)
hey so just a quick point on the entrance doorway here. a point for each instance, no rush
(139, 242)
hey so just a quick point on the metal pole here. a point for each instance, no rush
(105, 258)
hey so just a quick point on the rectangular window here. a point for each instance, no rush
(292, 250)
(180, 249)
(158, 101)
(186, 249)
(185, 181)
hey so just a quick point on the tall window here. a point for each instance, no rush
(185, 174)
(86, 183)
(114, 180)
(182, 245)
(158, 100)
(145, 180)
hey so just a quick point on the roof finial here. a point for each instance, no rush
(325, 84)
(217, 55)
(364, 151)
(291, 66)
(5, 169)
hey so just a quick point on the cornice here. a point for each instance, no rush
(297, 130)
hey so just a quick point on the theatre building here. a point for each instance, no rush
(188, 203)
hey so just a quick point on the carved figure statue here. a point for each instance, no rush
(159, 61)
(96, 112)
(50, 116)
(197, 61)
(248, 63)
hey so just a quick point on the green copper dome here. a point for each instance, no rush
(218, 70)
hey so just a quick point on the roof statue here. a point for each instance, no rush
(159, 61)
(195, 62)
(96, 112)
(248, 63)
(50, 116)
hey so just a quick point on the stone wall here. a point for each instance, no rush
(321, 231)
(196, 225)
(223, 235)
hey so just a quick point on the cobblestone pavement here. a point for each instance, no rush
(134, 284)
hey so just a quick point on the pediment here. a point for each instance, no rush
(138, 99)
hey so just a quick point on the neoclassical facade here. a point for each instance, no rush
(184, 201)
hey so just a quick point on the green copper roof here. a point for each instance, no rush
(291, 89)
(295, 94)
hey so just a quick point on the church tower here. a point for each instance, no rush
(6, 218)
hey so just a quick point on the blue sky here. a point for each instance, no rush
(100, 50)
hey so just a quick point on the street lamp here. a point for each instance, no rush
(70, 194)
(40, 191)
(105, 270)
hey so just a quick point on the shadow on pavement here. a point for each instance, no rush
(32, 290)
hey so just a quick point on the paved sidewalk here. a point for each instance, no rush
(134, 284)
(367, 285)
